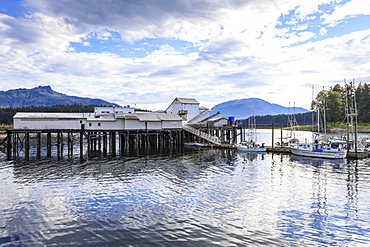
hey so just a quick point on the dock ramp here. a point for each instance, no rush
(201, 134)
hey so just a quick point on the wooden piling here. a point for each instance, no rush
(113, 143)
(9, 145)
(27, 147)
(38, 145)
(82, 145)
(48, 145)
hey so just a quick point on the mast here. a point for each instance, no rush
(313, 115)
(324, 112)
(351, 114)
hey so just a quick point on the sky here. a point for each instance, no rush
(148, 52)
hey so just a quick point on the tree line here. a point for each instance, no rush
(335, 104)
(281, 119)
(343, 101)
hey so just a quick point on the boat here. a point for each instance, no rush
(251, 145)
(195, 144)
(319, 148)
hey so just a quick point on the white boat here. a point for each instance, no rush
(250, 147)
(319, 150)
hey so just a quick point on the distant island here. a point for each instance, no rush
(43, 96)
(244, 108)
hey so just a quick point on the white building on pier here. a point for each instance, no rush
(188, 109)
(102, 119)
(181, 111)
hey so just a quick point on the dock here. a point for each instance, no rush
(27, 144)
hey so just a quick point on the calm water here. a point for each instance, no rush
(201, 197)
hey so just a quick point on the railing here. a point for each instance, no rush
(210, 138)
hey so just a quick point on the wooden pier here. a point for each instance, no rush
(25, 144)
(39, 144)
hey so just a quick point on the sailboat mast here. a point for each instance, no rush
(324, 113)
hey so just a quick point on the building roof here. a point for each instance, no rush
(49, 115)
(186, 101)
(218, 119)
(169, 117)
(183, 101)
(144, 116)
(148, 117)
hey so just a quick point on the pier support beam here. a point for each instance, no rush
(9, 145)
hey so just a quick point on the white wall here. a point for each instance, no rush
(94, 124)
(104, 125)
(193, 110)
(172, 124)
(45, 124)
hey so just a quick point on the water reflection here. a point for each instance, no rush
(198, 197)
(251, 155)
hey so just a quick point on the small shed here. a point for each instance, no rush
(218, 122)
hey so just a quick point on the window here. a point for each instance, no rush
(90, 124)
(98, 124)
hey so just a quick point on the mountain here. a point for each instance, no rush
(43, 96)
(244, 108)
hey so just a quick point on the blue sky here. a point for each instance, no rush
(147, 52)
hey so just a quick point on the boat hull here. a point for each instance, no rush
(246, 149)
(328, 154)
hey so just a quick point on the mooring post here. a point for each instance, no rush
(38, 148)
(113, 143)
(122, 143)
(27, 146)
(15, 145)
(70, 144)
(82, 143)
(99, 141)
(88, 144)
(105, 143)
(61, 145)
(272, 128)
(48, 145)
(9, 144)
(58, 145)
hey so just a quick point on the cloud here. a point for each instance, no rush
(350, 9)
(228, 50)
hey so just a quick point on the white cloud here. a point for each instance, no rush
(241, 51)
(350, 9)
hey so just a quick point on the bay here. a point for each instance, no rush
(199, 197)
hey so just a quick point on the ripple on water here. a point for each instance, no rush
(204, 198)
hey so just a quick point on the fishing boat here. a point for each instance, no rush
(319, 148)
(251, 145)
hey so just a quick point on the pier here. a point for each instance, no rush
(26, 144)
(61, 144)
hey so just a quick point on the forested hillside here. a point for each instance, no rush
(301, 119)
